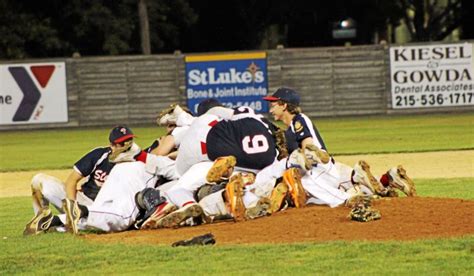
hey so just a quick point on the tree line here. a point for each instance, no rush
(57, 28)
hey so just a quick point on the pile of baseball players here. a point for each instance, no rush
(223, 164)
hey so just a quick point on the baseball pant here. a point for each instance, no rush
(114, 209)
(49, 189)
(183, 191)
(214, 204)
(322, 183)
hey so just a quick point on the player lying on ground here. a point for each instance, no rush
(243, 135)
(303, 135)
(123, 196)
(94, 167)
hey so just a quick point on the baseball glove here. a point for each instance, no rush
(206, 239)
(364, 213)
(280, 141)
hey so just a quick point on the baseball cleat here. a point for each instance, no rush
(277, 197)
(174, 219)
(363, 176)
(234, 193)
(160, 212)
(390, 192)
(358, 201)
(221, 169)
(292, 178)
(167, 116)
(167, 119)
(39, 223)
(315, 155)
(73, 214)
(178, 110)
(399, 179)
(262, 208)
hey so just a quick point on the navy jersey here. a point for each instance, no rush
(248, 139)
(153, 146)
(96, 167)
(301, 128)
(291, 143)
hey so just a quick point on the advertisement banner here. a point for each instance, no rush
(432, 75)
(33, 93)
(232, 79)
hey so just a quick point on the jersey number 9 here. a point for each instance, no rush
(256, 144)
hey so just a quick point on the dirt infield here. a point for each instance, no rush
(402, 219)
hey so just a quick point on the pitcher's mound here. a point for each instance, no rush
(402, 219)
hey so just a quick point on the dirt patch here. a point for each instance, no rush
(445, 164)
(402, 219)
(18, 183)
(440, 164)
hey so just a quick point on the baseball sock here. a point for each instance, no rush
(384, 180)
(56, 222)
(84, 211)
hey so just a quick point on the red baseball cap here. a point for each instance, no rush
(120, 134)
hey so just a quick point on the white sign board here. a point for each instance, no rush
(432, 75)
(33, 93)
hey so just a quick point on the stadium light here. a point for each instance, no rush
(343, 29)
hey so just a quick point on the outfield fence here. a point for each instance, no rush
(333, 81)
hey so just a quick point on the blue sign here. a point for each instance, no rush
(232, 79)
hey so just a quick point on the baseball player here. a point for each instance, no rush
(94, 168)
(168, 118)
(116, 206)
(218, 132)
(238, 132)
(322, 181)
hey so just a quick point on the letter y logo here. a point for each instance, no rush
(31, 93)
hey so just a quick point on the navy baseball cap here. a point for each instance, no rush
(207, 104)
(285, 94)
(119, 134)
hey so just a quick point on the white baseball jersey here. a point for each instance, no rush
(114, 208)
(192, 142)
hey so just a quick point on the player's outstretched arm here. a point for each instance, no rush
(165, 147)
(71, 184)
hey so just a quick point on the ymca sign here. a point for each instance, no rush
(33, 93)
(233, 79)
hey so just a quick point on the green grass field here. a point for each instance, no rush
(52, 149)
(66, 254)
